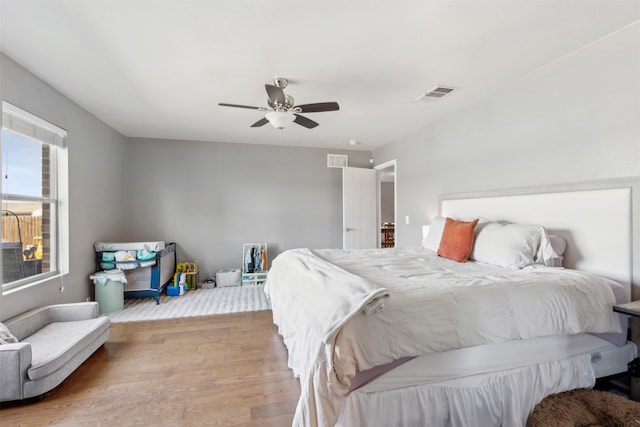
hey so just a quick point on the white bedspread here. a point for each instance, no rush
(343, 311)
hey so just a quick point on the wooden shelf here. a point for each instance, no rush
(255, 278)
(257, 274)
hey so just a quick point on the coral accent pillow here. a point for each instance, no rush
(457, 239)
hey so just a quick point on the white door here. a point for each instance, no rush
(359, 227)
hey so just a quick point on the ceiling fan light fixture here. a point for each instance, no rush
(282, 108)
(280, 119)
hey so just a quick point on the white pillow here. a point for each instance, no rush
(6, 337)
(551, 251)
(508, 245)
(558, 243)
(432, 241)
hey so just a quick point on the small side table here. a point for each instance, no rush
(631, 308)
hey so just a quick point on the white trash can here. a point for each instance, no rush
(109, 286)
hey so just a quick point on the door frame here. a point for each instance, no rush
(391, 163)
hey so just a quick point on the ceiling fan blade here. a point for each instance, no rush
(317, 108)
(263, 121)
(222, 104)
(276, 95)
(303, 121)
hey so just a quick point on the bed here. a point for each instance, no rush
(407, 337)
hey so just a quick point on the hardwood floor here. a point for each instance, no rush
(223, 370)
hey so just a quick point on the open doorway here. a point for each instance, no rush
(386, 177)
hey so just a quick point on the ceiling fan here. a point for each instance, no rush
(282, 110)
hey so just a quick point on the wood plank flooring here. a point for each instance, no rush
(223, 370)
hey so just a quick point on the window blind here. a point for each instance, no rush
(19, 121)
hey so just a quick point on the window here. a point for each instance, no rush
(34, 232)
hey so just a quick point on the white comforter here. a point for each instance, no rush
(342, 311)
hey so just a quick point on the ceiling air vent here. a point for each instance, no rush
(337, 160)
(436, 93)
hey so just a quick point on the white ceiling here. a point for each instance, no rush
(158, 69)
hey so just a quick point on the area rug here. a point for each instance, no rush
(199, 302)
(584, 408)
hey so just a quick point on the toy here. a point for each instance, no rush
(179, 285)
(190, 270)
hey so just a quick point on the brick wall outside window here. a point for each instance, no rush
(46, 209)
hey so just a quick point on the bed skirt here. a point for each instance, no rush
(504, 398)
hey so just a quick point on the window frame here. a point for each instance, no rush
(25, 124)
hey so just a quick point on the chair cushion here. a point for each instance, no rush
(56, 343)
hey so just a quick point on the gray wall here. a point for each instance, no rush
(575, 120)
(96, 196)
(210, 198)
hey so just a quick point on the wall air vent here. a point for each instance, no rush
(436, 93)
(337, 160)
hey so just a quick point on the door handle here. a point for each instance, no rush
(348, 229)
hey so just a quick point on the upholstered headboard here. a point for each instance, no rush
(600, 221)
